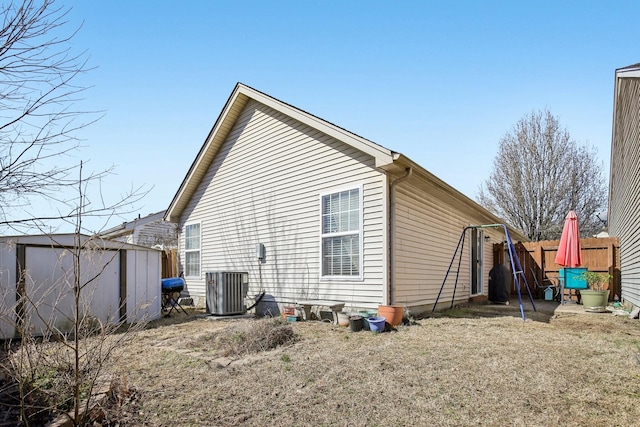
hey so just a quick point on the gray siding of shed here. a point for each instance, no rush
(49, 271)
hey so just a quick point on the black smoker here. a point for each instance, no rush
(500, 280)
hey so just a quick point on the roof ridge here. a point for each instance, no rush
(314, 116)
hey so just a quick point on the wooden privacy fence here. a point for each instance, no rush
(601, 255)
(169, 263)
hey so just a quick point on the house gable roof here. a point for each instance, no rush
(385, 159)
(235, 104)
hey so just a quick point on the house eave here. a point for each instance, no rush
(221, 128)
(402, 162)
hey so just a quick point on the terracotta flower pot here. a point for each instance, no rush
(393, 313)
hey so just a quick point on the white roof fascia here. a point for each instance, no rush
(195, 167)
(631, 73)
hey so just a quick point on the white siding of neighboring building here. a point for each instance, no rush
(149, 232)
(624, 200)
(264, 186)
(154, 233)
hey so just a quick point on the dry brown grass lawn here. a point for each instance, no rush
(474, 366)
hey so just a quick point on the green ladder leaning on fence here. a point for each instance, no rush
(518, 275)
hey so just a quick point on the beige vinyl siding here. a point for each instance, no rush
(427, 233)
(624, 217)
(264, 186)
(429, 224)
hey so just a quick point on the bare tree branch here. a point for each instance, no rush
(37, 94)
(539, 174)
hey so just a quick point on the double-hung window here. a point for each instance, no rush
(341, 234)
(192, 250)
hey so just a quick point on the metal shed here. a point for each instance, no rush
(123, 281)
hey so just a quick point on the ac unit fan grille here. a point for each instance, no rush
(226, 292)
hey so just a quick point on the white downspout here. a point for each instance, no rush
(392, 232)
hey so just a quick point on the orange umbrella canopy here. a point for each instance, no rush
(569, 252)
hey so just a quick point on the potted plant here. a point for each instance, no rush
(596, 298)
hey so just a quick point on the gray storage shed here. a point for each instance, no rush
(36, 278)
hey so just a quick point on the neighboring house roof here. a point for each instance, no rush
(630, 71)
(629, 67)
(385, 159)
(127, 228)
(149, 231)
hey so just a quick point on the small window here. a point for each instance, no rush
(192, 250)
(341, 234)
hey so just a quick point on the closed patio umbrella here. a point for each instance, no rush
(569, 252)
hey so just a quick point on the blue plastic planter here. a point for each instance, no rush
(376, 324)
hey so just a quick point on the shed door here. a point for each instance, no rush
(477, 262)
(49, 285)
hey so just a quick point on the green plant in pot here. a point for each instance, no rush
(596, 298)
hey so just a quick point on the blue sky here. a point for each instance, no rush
(439, 81)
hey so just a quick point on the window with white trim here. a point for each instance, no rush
(341, 234)
(192, 250)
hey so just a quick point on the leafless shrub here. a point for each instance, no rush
(115, 410)
(60, 374)
(63, 349)
(253, 337)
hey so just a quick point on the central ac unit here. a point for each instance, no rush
(226, 292)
